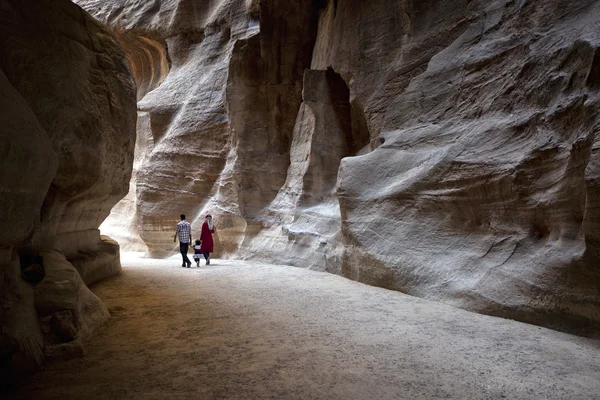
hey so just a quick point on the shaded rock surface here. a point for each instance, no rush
(444, 149)
(63, 325)
(67, 308)
(66, 150)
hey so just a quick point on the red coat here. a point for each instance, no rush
(206, 238)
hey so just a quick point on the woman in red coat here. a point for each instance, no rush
(207, 244)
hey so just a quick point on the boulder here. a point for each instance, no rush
(73, 309)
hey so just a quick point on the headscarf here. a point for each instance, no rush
(209, 221)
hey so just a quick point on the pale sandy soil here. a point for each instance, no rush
(236, 330)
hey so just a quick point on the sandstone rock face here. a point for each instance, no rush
(478, 196)
(218, 128)
(21, 138)
(66, 307)
(66, 146)
(21, 341)
(444, 149)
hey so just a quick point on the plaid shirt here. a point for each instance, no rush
(184, 231)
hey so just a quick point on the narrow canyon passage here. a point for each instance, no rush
(449, 150)
(247, 330)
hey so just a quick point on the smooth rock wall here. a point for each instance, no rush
(187, 131)
(444, 149)
(221, 122)
(478, 196)
(66, 145)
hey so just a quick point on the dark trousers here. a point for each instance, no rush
(206, 254)
(183, 248)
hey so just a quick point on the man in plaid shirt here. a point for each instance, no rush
(184, 231)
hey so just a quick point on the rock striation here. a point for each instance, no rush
(448, 150)
(66, 145)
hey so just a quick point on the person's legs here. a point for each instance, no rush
(183, 251)
(207, 257)
(183, 247)
(187, 260)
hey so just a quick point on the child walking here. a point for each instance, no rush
(197, 252)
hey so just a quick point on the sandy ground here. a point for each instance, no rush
(236, 330)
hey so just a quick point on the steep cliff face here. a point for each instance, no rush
(444, 149)
(219, 127)
(479, 195)
(67, 137)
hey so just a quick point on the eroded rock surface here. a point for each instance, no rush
(218, 128)
(67, 309)
(478, 196)
(444, 149)
(66, 148)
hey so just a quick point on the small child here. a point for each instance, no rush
(197, 253)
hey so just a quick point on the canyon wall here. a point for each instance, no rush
(444, 149)
(67, 141)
